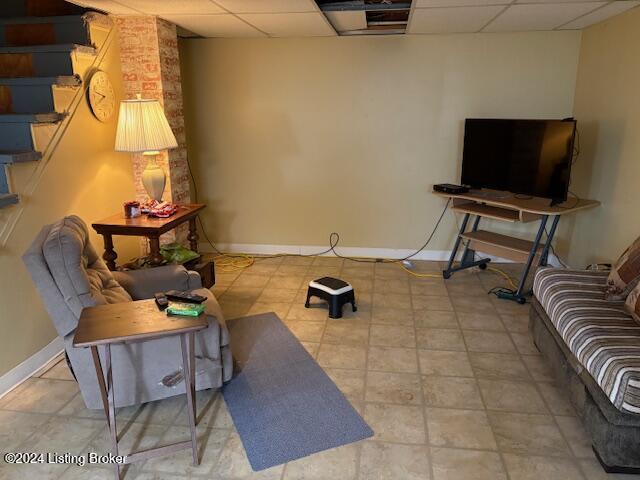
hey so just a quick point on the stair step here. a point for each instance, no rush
(68, 29)
(34, 95)
(61, 81)
(36, 20)
(27, 132)
(38, 8)
(44, 30)
(8, 157)
(42, 61)
(4, 182)
(51, 117)
(82, 17)
(8, 199)
(55, 48)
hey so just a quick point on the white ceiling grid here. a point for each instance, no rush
(303, 18)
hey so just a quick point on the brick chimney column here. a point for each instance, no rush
(151, 67)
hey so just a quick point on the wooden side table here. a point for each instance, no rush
(149, 227)
(131, 322)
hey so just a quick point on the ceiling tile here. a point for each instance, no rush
(225, 25)
(155, 7)
(601, 14)
(539, 16)
(458, 3)
(346, 21)
(290, 24)
(451, 20)
(268, 6)
(109, 6)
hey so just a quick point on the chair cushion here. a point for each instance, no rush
(625, 274)
(600, 333)
(633, 303)
(80, 274)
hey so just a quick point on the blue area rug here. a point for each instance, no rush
(283, 404)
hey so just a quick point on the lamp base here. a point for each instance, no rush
(154, 179)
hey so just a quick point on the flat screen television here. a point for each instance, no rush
(526, 157)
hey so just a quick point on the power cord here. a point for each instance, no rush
(227, 262)
(573, 205)
(576, 147)
(231, 262)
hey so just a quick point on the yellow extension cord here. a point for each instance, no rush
(227, 263)
(435, 275)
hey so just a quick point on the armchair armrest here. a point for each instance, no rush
(141, 284)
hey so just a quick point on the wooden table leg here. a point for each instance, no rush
(154, 251)
(112, 408)
(193, 235)
(108, 397)
(189, 368)
(101, 384)
(109, 254)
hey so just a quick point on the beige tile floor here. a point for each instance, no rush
(446, 375)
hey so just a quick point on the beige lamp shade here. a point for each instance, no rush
(143, 127)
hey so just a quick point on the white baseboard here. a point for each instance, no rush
(31, 365)
(365, 252)
(360, 252)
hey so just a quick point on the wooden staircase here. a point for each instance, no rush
(46, 49)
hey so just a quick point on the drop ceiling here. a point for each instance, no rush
(308, 18)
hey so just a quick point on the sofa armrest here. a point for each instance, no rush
(142, 284)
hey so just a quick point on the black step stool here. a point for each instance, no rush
(335, 292)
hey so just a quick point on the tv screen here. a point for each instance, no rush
(527, 157)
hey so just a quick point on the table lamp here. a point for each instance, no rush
(143, 128)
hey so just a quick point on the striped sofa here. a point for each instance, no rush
(594, 346)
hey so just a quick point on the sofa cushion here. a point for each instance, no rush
(600, 333)
(633, 303)
(625, 274)
(80, 274)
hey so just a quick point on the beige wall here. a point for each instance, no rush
(607, 105)
(291, 139)
(84, 176)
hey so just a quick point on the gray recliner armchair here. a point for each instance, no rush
(69, 275)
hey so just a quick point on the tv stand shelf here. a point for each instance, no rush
(506, 207)
(487, 211)
(511, 248)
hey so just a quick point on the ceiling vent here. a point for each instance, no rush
(367, 17)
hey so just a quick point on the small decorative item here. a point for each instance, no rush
(185, 309)
(153, 208)
(102, 98)
(143, 128)
(131, 209)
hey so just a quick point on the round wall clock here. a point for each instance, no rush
(102, 98)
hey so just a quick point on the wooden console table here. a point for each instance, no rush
(130, 322)
(507, 207)
(150, 227)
